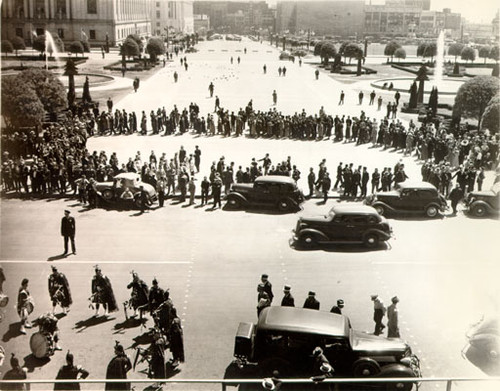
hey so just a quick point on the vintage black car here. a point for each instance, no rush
(276, 191)
(284, 338)
(409, 198)
(345, 223)
(111, 192)
(483, 203)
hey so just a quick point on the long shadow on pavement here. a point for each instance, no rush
(31, 362)
(12, 332)
(129, 324)
(82, 325)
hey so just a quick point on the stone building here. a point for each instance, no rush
(97, 21)
(174, 16)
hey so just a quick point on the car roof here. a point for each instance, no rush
(302, 320)
(354, 209)
(275, 178)
(127, 175)
(416, 185)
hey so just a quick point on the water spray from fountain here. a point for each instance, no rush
(438, 68)
(50, 46)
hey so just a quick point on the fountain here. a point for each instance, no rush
(438, 67)
(50, 47)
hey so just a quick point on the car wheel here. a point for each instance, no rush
(380, 209)
(397, 386)
(137, 201)
(371, 240)
(479, 211)
(431, 211)
(233, 203)
(284, 205)
(268, 366)
(308, 240)
(108, 195)
(365, 367)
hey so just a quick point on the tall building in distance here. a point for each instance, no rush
(174, 16)
(338, 18)
(98, 21)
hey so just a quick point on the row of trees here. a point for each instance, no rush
(17, 43)
(327, 49)
(133, 46)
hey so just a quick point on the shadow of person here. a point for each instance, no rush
(143, 339)
(81, 325)
(171, 370)
(129, 324)
(12, 332)
(31, 362)
(57, 257)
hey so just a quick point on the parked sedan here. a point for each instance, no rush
(111, 192)
(343, 224)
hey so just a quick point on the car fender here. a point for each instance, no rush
(396, 370)
(482, 203)
(437, 205)
(238, 196)
(317, 233)
(381, 234)
(382, 204)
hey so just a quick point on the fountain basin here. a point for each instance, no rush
(447, 86)
(94, 80)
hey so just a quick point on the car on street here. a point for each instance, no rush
(284, 339)
(344, 223)
(285, 55)
(409, 198)
(483, 203)
(276, 191)
(111, 192)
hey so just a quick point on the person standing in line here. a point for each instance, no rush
(197, 158)
(23, 304)
(456, 196)
(325, 186)
(337, 309)
(161, 186)
(311, 179)
(375, 181)
(59, 290)
(392, 319)
(216, 190)
(117, 369)
(70, 372)
(266, 286)
(176, 338)
(205, 188)
(365, 177)
(192, 190)
(311, 301)
(288, 300)
(378, 314)
(68, 230)
(102, 293)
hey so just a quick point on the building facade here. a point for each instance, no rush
(174, 16)
(338, 18)
(201, 24)
(98, 21)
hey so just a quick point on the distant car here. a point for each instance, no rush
(345, 223)
(191, 50)
(409, 198)
(284, 338)
(233, 37)
(284, 55)
(269, 190)
(110, 192)
(483, 203)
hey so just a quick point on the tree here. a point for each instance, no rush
(86, 46)
(352, 50)
(413, 96)
(427, 49)
(391, 48)
(421, 78)
(433, 101)
(400, 53)
(137, 40)
(474, 96)
(495, 53)
(18, 44)
(468, 53)
(484, 52)
(154, 48)
(70, 70)
(130, 48)
(86, 91)
(39, 43)
(47, 86)
(317, 48)
(327, 51)
(76, 47)
(491, 116)
(7, 46)
(21, 107)
(455, 49)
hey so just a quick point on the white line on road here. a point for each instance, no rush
(100, 262)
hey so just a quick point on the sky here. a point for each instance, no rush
(475, 11)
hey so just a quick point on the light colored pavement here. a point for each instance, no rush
(444, 270)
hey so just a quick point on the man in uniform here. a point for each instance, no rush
(117, 369)
(70, 372)
(102, 293)
(337, 309)
(288, 300)
(139, 296)
(456, 196)
(392, 319)
(378, 313)
(311, 179)
(68, 229)
(22, 305)
(16, 373)
(266, 286)
(156, 295)
(59, 291)
(311, 301)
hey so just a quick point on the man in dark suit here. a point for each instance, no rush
(68, 228)
(288, 300)
(311, 301)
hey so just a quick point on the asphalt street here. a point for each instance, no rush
(444, 270)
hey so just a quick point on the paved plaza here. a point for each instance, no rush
(444, 270)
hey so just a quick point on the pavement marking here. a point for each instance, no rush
(101, 262)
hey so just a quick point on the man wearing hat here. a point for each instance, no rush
(68, 229)
(311, 301)
(288, 300)
(156, 295)
(265, 286)
(102, 293)
(392, 319)
(70, 372)
(456, 196)
(23, 297)
(337, 309)
(59, 291)
(16, 373)
(378, 313)
(117, 369)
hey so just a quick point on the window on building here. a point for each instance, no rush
(157, 24)
(19, 32)
(60, 33)
(157, 4)
(158, 32)
(92, 34)
(92, 6)
(157, 14)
